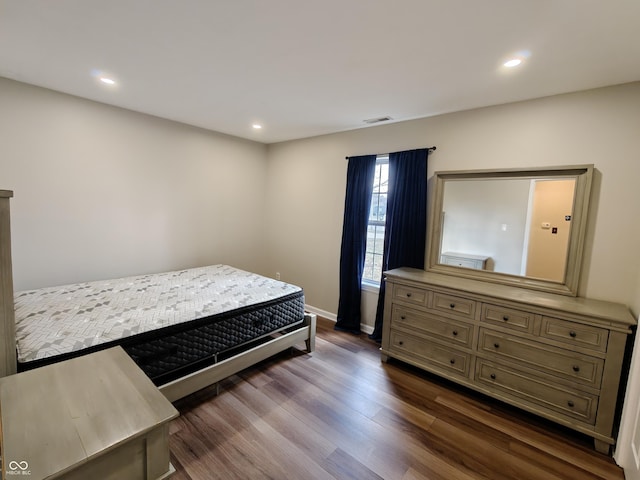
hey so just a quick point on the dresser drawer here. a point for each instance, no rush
(556, 361)
(410, 294)
(507, 317)
(457, 332)
(568, 402)
(463, 307)
(446, 358)
(574, 333)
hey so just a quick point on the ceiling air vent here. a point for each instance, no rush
(371, 121)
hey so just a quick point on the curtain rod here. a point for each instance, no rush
(429, 150)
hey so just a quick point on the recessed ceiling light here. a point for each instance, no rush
(512, 63)
(256, 126)
(107, 80)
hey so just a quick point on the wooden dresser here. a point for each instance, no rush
(93, 417)
(556, 356)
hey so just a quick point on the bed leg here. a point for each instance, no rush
(215, 361)
(310, 320)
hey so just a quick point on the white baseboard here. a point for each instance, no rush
(321, 313)
(368, 329)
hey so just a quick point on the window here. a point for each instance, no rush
(377, 217)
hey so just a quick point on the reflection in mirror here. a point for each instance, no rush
(516, 226)
(523, 227)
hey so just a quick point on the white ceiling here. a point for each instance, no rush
(303, 68)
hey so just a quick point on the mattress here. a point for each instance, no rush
(169, 323)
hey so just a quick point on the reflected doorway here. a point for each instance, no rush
(549, 228)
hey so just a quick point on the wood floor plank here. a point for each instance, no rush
(530, 435)
(351, 431)
(406, 418)
(438, 469)
(340, 413)
(483, 456)
(559, 466)
(354, 431)
(342, 465)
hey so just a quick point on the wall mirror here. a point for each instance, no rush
(522, 227)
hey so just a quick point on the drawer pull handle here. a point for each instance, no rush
(408, 295)
(505, 318)
(452, 305)
(455, 333)
(493, 376)
(400, 342)
(570, 403)
(573, 334)
(496, 345)
(402, 317)
(576, 368)
(452, 361)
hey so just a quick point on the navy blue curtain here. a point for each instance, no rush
(360, 173)
(405, 231)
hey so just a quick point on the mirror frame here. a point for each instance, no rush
(583, 175)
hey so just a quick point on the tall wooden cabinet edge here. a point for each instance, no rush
(569, 370)
(7, 320)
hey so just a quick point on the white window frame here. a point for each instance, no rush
(369, 284)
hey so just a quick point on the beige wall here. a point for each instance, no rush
(306, 181)
(102, 192)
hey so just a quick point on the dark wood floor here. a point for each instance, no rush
(340, 413)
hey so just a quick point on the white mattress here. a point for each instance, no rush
(59, 320)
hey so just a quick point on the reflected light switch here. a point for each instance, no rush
(504, 227)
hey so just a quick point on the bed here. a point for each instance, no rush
(185, 329)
